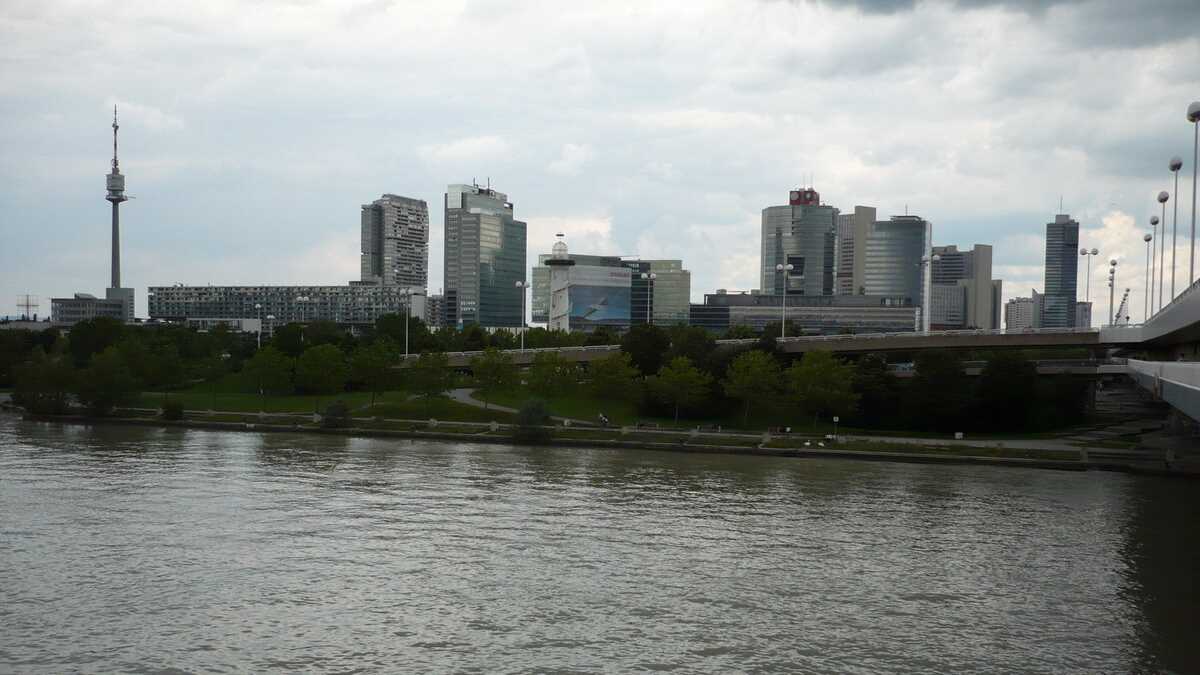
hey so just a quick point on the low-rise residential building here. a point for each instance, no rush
(813, 315)
(355, 306)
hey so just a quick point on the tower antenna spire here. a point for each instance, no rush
(116, 168)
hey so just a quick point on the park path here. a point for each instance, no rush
(463, 395)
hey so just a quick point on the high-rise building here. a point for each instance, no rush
(484, 258)
(972, 270)
(1083, 315)
(395, 242)
(802, 234)
(892, 262)
(1023, 313)
(1062, 265)
(851, 265)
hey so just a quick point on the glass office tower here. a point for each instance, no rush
(802, 234)
(1062, 266)
(484, 258)
(892, 265)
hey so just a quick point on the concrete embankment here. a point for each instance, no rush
(934, 455)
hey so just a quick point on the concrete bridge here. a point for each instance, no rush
(1171, 335)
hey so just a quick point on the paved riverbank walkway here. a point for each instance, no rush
(464, 395)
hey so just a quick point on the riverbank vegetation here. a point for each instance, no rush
(667, 377)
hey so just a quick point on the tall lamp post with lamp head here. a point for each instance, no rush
(1153, 253)
(521, 286)
(1087, 291)
(258, 308)
(1193, 116)
(787, 272)
(1163, 196)
(1174, 165)
(1146, 293)
(649, 277)
(1112, 282)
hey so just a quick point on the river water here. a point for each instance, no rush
(126, 549)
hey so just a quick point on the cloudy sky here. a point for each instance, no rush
(252, 132)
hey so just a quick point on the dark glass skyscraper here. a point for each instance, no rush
(1062, 266)
(484, 258)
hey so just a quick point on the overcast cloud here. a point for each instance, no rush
(252, 132)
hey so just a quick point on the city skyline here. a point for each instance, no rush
(668, 174)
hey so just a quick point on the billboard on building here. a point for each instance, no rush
(600, 296)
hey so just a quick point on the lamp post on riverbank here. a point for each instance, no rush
(521, 286)
(787, 271)
(1146, 293)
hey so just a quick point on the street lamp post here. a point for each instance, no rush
(649, 277)
(258, 307)
(1193, 116)
(1112, 282)
(1174, 165)
(1087, 291)
(1146, 293)
(406, 293)
(1154, 226)
(836, 419)
(521, 286)
(924, 302)
(787, 271)
(1163, 196)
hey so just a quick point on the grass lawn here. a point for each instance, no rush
(440, 409)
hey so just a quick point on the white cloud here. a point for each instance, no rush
(146, 116)
(685, 119)
(465, 150)
(573, 158)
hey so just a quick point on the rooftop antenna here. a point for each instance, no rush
(27, 304)
(489, 182)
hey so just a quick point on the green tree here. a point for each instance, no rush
(92, 337)
(493, 371)
(43, 383)
(213, 369)
(753, 378)
(614, 377)
(647, 346)
(681, 384)
(107, 382)
(269, 371)
(322, 370)
(603, 335)
(1007, 392)
(878, 391)
(430, 376)
(372, 366)
(550, 374)
(693, 342)
(739, 331)
(820, 384)
(323, 333)
(289, 339)
(938, 391)
(530, 423)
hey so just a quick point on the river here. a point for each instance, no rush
(129, 549)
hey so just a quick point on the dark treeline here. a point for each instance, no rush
(674, 372)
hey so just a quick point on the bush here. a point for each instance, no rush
(530, 422)
(172, 409)
(337, 416)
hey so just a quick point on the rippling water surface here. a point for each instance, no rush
(142, 550)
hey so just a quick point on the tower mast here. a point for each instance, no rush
(116, 195)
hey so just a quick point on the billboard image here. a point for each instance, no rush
(600, 296)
